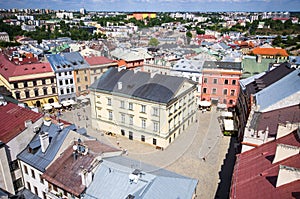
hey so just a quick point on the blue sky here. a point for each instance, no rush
(157, 5)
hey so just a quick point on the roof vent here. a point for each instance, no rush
(47, 121)
(287, 175)
(284, 151)
(120, 85)
(134, 176)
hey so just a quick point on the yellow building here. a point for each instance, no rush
(142, 15)
(33, 84)
(154, 109)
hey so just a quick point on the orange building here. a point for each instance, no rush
(143, 15)
(271, 53)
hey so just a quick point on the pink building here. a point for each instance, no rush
(220, 82)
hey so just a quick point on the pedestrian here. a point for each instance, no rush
(203, 159)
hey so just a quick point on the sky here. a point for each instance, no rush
(157, 5)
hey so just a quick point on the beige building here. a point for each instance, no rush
(33, 84)
(4, 36)
(153, 109)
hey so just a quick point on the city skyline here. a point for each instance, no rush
(157, 6)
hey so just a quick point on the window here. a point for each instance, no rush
(79, 88)
(71, 81)
(34, 82)
(70, 72)
(18, 183)
(205, 80)
(60, 82)
(25, 169)
(53, 90)
(155, 111)
(143, 108)
(122, 104)
(224, 101)
(18, 95)
(155, 126)
(43, 81)
(109, 101)
(45, 91)
(122, 117)
(130, 135)
(215, 81)
(13, 165)
(122, 132)
(44, 195)
(130, 106)
(66, 81)
(36, 190)
(142, 138)
(41, 179)
(204, 90)
(231, 101)
(61, 91)
(110, 115)
(76, 71)
(32, 173)
(131, 120)
(225, 92)
(78, 79)
(28, 186)
(226, 81)
(59, 74)
(232, 92)
(66, 73)
(143, 123)
(86, 87)
(214, 91)
(68, 90)
(27, 94)
(154, 141)
(16, 85)
(233, 82)
(72, 90)
(85, 78)
(36, 92)
(52, 80)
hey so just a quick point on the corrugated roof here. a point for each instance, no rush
(160, 88)
(255, 176)
(111, 180)
(12, 120)
(40, 160)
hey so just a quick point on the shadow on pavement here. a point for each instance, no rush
(226, 171)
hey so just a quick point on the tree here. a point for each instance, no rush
(277, 41)
(188, 36)
(153, 42)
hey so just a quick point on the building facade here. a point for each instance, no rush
(220, 82)
(151, 109)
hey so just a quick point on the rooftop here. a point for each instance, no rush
(270, 51)
(12, 120)
(159, 88)
(222, 65)
(255, 175)
(99, 60)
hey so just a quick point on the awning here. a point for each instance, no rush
(72, 102)
(204, 103)
(228, 125)
(65, 103)
(227, 114)
(48, 107)
(56, 105)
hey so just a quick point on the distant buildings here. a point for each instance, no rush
(4, 36)
(150, 108)
(142, 15)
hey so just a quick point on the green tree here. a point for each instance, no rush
(153, 42)
(277, 41)
(188, 36)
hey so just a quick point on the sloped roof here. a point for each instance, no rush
(160, 88)
(38, 159)
(111, 180)
(99, 60)
(76, 60)
(64, 171)
(59, 63)
(222, 65)
(282, 93)
(12, 120)
(270, 51)
(255, 176)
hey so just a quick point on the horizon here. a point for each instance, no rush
(157, 6)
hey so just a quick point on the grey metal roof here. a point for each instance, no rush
(59, 63)
(38, 159)
(111, 180)
(283, 93)
(77, 61)
(160, 88)
(223, 65)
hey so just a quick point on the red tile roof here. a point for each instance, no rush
(12, 120)
(65, 171)
(255, 176)
(269, 51)
(99, 60)
(9, 69)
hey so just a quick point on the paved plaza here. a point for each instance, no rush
(198, 152)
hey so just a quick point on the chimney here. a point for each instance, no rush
(61, 126)
(44, 139)
(47, 121)
(287, 174)
(120, 85)
(86, 177)
(152, 75)
(284, 151)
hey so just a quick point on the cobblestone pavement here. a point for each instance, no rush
(198, 152)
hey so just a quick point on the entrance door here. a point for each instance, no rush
(130, 135)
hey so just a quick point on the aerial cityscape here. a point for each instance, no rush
(141, 99)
